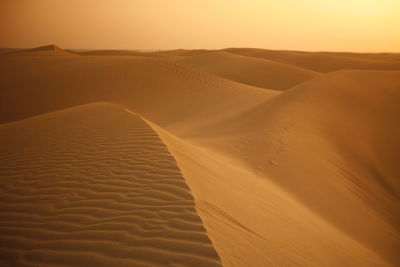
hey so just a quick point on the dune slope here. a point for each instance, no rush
(95, 186)
(254, 222)
(162, 91)
(249, 70)
(304, 142)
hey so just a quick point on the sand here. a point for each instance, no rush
(249, 70)
(325, 62)
(94, 185)
(235, 157)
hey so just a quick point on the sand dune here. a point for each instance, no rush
(249, 70)
(30, 51)
(301, 177)
(161, 91)
(7, 50)
(95, 186)
(304, 127)
(181, 53)
(121, 53)
(53, 48)
(375, 56)
(320, 62)
(252, 221)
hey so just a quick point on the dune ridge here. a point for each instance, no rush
(41, 49)
(278, 178)
(51, 47)
(99, 189)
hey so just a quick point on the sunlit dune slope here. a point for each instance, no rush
(320, 62)
(252, 221)
(249, 70)
(95, 186)
(331, 143)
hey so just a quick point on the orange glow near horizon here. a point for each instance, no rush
(312, 25)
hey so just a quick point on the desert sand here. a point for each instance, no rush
(233, 157)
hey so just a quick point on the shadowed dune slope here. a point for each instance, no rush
(181, 53)
(374, 56)
(166, 54)
(249, 70)
(121, 53)
(53, 48)
(95, 186)
(50, 49)
(8, 50)
(161, 91)
(321, 62)
(278, 54)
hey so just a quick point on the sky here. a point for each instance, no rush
(310, 25)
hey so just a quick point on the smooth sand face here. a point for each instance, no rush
(201, 160)
(249, 70)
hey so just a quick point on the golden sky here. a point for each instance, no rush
(334, 25)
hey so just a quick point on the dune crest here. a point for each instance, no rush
(94, 185)
(41, 49)
(51, 47)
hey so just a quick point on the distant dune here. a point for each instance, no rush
(161, 90)
(46, 48)
(233, 157)
(249, 70)
(323, 62)
(53, 48)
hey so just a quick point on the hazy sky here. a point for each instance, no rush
(344, 25)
